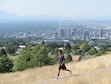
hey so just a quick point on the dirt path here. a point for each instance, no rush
(58, 81)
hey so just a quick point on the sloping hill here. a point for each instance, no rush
(93, 71)
(4, 14)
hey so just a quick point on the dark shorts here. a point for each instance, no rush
(62, 67)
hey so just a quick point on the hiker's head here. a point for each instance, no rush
(60, 52)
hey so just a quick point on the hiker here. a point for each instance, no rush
(62, 63)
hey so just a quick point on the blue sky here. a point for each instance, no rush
(65, 8)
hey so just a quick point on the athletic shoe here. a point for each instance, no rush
(57, 77)
(70, 71)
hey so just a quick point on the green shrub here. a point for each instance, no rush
(5, 64)
(34, 58)
(68, 58)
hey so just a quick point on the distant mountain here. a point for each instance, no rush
(80, 17)
(45, 17)
(4, 14)
(8, 15)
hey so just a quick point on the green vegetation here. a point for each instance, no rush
(68, 58)
(5, 63)
(35, 55)
(67, 48)
(87, 49)
(34, 58)
(92, 51)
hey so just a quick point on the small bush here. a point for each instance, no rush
(68, 58)
(5, 64)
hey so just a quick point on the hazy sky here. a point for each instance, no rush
(68, 8)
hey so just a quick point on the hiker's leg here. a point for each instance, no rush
(59, 71)
(64, 68)
(67, 70)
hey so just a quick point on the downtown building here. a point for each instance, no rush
(64, 33)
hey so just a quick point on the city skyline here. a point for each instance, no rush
(63, 8)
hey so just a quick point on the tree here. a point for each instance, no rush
(34, 58)
(53, 45)
(68, 58)
(84, 47)
(2, 52)
(55, 51)
(92, 51)
(11, 49)
(104, 47)
(68, 48)
(5, 64)
(42, 42)
(74, 47)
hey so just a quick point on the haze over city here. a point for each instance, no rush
(27, 15)
(74, 9)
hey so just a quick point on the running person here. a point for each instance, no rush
(62, 63)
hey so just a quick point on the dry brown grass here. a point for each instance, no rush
(44, 75)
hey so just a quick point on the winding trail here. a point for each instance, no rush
(58, 81)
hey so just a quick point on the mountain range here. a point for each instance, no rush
(8, 15)
(4, 14)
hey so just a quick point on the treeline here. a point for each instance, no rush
(11, 44)
(31, 56)
(38, 55)
(87, 49)
(8, 46)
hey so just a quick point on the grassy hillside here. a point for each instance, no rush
(92, 71)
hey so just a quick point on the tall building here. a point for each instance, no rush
(61, 33)
(79, 34)
(65, 33)
(101, 33)
(86, 35)
(55, 35)
(73, 33)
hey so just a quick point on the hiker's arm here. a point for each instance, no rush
(62, 62)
